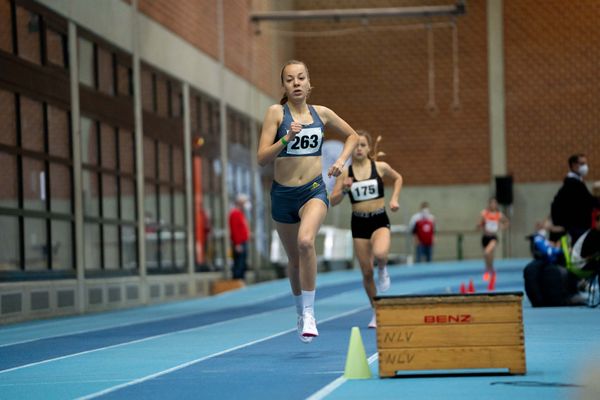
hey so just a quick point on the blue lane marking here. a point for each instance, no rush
(39, 350)
(110, 369)
(26, 353)
(281, 368)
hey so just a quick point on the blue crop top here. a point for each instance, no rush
(308, 142)
(367, 189)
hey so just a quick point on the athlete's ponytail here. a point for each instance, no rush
(374, 154)
(376, 151)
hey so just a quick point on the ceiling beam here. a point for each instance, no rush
(360, 13)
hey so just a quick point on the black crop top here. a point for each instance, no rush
(368, 189)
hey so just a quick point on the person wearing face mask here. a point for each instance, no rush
(422, 226)
(240, 235)
(292, 138)
(573, 204)
(363, 183)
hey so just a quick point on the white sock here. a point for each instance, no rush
(299, 305)
(308, 300)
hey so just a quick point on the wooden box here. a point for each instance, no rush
(450, 332)
(225, 285)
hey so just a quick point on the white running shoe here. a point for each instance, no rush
(373, 323)
(384, 281)
(303, 339)
(309, 328)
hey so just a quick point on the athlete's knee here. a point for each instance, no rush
(306, 244)
(380, 257)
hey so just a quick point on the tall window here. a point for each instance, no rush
(164, 169)
(108, 183)
(108, 159)
(206, 167)
(36, 195)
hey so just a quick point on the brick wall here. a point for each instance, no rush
(552, 80)
(256, 58)
(377, 79)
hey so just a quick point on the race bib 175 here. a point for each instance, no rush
(365, 190)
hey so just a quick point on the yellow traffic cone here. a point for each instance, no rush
(357, 366)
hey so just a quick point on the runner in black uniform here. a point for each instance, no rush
(363, 182)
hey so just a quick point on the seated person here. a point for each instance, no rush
(547, 282)
(584, 259)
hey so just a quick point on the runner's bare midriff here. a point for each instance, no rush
(297, 171)
(369, 205)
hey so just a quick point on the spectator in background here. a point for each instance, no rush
(239, 234)
(422, 226)
(547, 282)
(573, 203)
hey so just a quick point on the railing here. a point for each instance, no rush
(457, 244)
(333, 245)
(335, 249)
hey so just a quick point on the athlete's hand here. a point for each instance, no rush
(394, 206)
(295, 128)
(347, 184)
(336, 169)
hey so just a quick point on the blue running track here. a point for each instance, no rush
(244, 345)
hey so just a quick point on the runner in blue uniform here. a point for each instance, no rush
(291, 138)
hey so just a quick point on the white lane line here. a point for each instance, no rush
(328, 389)
(149, 319)
(198, 360)
(133, 342)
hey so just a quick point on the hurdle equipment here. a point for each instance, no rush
(357, 366)
(450, 332)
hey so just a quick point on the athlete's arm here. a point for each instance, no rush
(389, 172)
(267, 150)
(504, 221)
(339, 189)
(481, 222)
(332, 121)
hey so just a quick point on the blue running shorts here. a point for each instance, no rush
(286, 201)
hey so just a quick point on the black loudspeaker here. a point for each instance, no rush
(504, 189)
